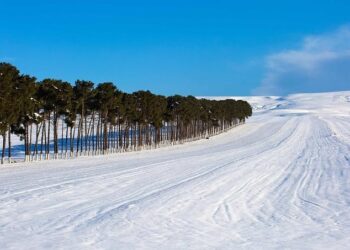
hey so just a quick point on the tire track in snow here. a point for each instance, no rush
(280, 181)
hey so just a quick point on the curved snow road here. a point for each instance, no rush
(280, 181)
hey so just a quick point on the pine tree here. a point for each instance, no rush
(103, 119)
(106, 95)
(8, 107)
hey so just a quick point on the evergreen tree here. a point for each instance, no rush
(106, 96)
(103, 119)
(8, 106)
(26, 106)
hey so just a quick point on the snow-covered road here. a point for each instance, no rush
(281, 181)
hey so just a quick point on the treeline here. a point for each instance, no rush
(58, 120)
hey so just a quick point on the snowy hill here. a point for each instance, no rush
(281, 181)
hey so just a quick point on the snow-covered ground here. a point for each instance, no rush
(281, 181)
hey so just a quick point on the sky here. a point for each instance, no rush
(194, 47)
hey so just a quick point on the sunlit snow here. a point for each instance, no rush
(281, 181)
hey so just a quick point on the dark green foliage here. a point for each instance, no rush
(8, 107)
(92, 120)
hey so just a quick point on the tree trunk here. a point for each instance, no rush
(97, 135)
(26, 142)
(105, 135)
(9, 149)
(36, 140)
(55, 134)
(48, 138)
(71, 142)
(62, 132)
(3, 147)
(30, 142)
(78, 137)
(43, 132)
(66, 149)
(86, 131)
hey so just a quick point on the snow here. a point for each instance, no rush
(281, 181)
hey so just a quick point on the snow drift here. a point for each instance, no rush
(281, 181)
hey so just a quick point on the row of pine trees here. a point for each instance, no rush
(58, 120)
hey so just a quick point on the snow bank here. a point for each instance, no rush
(281, 181)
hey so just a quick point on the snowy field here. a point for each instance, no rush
(281, 181)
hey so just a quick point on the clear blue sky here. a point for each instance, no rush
(185, 47)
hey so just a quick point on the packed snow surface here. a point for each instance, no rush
(281, 181)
